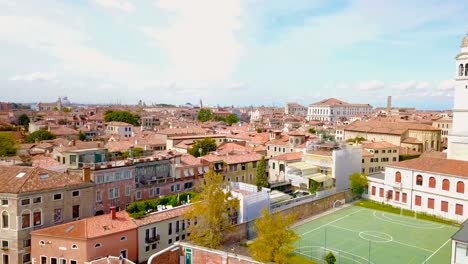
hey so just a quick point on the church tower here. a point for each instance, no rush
(458, 139)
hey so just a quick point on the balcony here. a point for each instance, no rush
(152, 239)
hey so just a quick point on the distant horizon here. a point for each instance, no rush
(240, 52)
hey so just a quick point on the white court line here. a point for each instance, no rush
(407, 224)
(398, 242)
(436, 251)
(329, 223)
(335, 250)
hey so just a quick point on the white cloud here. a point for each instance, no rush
(446, 85)
(412, 85)
(372, 85)
(200, 40)
(36, 76)
(117, 4)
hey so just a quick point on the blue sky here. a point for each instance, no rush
(252, 52)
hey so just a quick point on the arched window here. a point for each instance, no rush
(461, 70)
(460, 187)
(432, 182)
(419, 180)
(25, 219)
(98, 245)
(398, 177)
(446, 185)
(5, 221)
(74, 246)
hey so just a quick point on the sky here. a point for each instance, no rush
(231, 52)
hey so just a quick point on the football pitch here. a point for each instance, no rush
(360, 235)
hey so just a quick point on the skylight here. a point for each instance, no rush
(70, 228)
(44, 176)
(20, 175)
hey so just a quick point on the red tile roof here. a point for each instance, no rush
(435, 165)
(91, 227)
(393, 128)
(288, 156)
(378, 145)
(162, 215)
(34, 179)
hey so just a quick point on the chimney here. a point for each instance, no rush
(113, 216)
(86, 173)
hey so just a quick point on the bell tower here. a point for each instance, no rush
(458, 139)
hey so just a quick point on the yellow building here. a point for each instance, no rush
(376, 155)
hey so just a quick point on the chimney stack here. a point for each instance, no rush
(113, 211)
(86, 173)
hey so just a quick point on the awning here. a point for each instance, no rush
(319, 177)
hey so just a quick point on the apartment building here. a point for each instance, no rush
(445, 125)
(86, 240)
(332, 110)
(295, 109)
(281, 144)
(376, 155)
(35, 198)
(119, 128)
(277, 165)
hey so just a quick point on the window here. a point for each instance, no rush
(53, 260)
(151, 192)
(74, 246)
(98, 245)
(170, 229)
(75, 193)
(123, 238)
(459, 209)
(381, 192)
(114, 193)
(58, 215)
(72, 261)
(25, 220)
(37, 218)
(233, 167)
(57, 196)
(76, 211)
(158, 191)
(446, 185)
(419, 180)
(27, 243)
(373, 190)
(390, 195)
(37, 200)
(4, 202)
(273, 165)
(243, 166)
(127, 190)
(5, 220)
(417, 200)
(172, 188)
(178, 187)
(169, 241)
(26, 257)
(98, 196)
(394, 159)
(397, 195)
(444, 206)
(5, 244)
(432, 182)
(430, 203)
(398, 177)
(138, 195)
(460, 187)
(25, 201)
(43, 260)
(254, 164)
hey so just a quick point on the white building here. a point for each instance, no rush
(119, 128)
(295, 109)
(458, 139)
(460, 246)
(251, 202)
(332, 110)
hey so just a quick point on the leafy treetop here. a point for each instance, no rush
(24, 120)
(7, 144)
(39, 135)
(204, 115)
(121, 116)
(212, 212)
(275, 240)
(232, 119)
(206, 145)
(261, 178)
(358, 182)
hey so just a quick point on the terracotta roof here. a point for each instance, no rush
(233, 158)
(162, 215)
(121, 124)
(408, 151)
(34, 179)
(393, 128)
(435, 165)
(297, 133)
(63, 131)
(378, 145)
(330, 101)
(412, 140)
(322, 152)
(91, 227)
(288, 156)
(366, 153)
(279, 142)
(188, 159)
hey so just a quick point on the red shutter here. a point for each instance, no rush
(417, 200)
(373, 190)
(404, 198)
(444, 206)
(430, 203)
(381, 192)
(397, 196)
(459, 209)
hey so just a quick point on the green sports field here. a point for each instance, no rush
(355, 235)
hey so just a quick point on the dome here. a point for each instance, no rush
(464, 43)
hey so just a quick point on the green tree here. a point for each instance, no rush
(314, 185)
(24, 120)
(261, 178)
(330, 258)
(358, 183)
(355, 140)
(219, 118)
(206, 145)
(121, 116)
(232, 119)
(275, 238)
(7, 144)
(312, 131)
(204, 115)
(211, 214)
(39, 136)
(81, 136)
(66, 110)
(137, 152)
(55, 108)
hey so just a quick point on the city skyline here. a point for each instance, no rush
(256, 52)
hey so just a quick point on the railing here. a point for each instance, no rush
(301, 200)
(152, 239)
